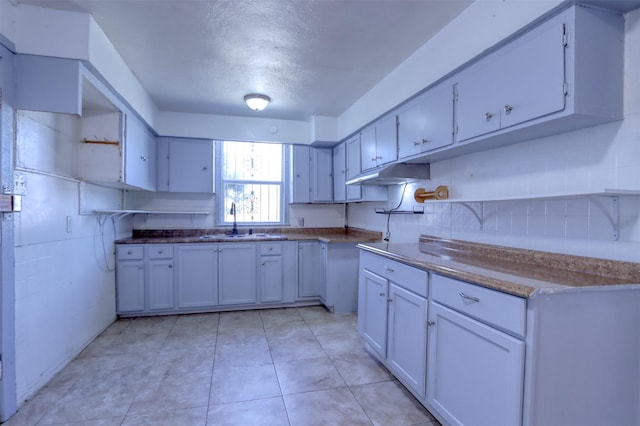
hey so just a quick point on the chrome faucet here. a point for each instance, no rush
(234, 231)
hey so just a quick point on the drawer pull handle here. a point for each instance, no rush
(160, 251)
(386, 268)
(130, 252)
(469, 298)
(431, 323)
(270, 248)
(487, 116)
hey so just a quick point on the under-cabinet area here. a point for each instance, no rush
(481, 338)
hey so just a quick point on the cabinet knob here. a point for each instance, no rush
(263, 263)
(386, 268)
(204, 168)
(389, 300)
(382, 294)
(170, 266)
(469, 298)
(425, 141)
(270, 248)
(160, 251)
(140, 267)
(487, 116)
(431, 323)
(129, 251)
(416, 143)
(508, 109)
(143, 158)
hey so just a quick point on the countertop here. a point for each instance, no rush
(326, 235)
(519, 272)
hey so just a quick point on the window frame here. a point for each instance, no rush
(220, 209)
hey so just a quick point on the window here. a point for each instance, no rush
(251, 175)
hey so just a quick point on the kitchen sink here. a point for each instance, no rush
(241, 236)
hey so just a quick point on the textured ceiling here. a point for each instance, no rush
(310, 56)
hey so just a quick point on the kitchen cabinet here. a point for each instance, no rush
(185, 165)
(277, 281)
(357, 192)
(237, 274)
(122, 154)
(426, 122)
(160, 282)
(475, 370)
(310, 270)
(339, 280)
(379, 143)
(130, 277)
(339, 173)
(145, 278)
(197, 275)
(564, 74)
(311, 177)
(392, 313)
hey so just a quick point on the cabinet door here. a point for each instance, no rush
(237, 279)
(309, 273)
(190, 165)
(372, 310)
(160, 288)
(475, 372)
(339, 173)
(322, 180)
(532, 75)
(407, 347)
(354, 192)
(386, 140)
(139, 154)
(197, 276)
(477, 101)
(300, 178)
(130, 285)
(368, 158)
(426, 123)
(271, 279)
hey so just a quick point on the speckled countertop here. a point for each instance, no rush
(515, 271)
(327, 235)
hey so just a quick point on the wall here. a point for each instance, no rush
(606, 156)
(64, 279)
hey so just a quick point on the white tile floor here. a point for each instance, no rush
(301, 366)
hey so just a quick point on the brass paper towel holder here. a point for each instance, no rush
(440, 193)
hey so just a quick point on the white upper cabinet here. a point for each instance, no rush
(562, 75)
(426, 122)
(339, 173)
(185, 165)
(379, 143)
(311, 175)
(357, 192)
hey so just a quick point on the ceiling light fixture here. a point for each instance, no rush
(256, 101)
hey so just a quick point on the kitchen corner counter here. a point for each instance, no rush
(515, 271)
(326, 235)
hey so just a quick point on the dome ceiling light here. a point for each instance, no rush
(256, 101)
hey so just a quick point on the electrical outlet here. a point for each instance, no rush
(19, 183)
(301, 221)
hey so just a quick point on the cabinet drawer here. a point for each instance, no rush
(159, 251)
(408, 277)
(270, 248)
(493, 307)
(129, 252)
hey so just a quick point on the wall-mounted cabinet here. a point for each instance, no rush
(185, 165)
(426, 122)
(360, 192)
(339, 173)
(311, 175)
(379, 143)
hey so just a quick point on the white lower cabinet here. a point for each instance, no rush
(237, 274)
(392, 317)
(475, 372)
(197, 275)
(204, 276)
(309, 270)
(145, 278)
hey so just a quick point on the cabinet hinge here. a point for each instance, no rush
(0, 366)
(455, 129)
(565, 88)
(565, 36)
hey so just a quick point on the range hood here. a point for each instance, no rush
(392, 174)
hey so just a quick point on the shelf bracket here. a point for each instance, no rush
(612, 214)
(479, 215)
